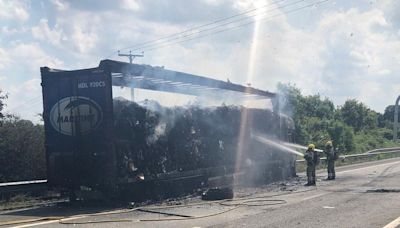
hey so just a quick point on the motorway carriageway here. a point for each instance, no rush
(364, 195)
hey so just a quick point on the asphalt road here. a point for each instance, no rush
(349, 201)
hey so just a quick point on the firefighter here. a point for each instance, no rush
(312, 159)
(331, 156)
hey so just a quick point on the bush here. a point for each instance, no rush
(21, 150)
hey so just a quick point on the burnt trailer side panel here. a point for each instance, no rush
(78, 118)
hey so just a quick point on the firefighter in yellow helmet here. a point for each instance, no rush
(331, 156)
(312, 160)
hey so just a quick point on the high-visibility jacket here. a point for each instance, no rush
(311, 157)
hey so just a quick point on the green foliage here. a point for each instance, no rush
(387, 118)
(21, 150)
(388, 114)
(342, 135)
(371, 139)
(2, 99)
(358, 116)
(352, 127)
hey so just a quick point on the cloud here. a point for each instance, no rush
(11, 31)
(30, 57)
(215, 2)
(84, 40)
(4, 59)
(13, 10)
(346, 54)
(21, 78)
(25, 100)
(132, 5)
(362, 49)
(183, 11)
(391, 9)
(43, 32)
(97, 6)
(75, 32)
(22, 62)
(343, 50)
(60, 5)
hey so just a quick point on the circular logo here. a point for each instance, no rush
(72, 115)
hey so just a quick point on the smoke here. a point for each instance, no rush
(192, 94)
(206, 132)
(178, 139)
(159, 131)
(165, 119)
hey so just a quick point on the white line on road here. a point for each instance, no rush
(315, 196)
(308, 198)
(367, 167)
(393, 224)
(49, 222)
(35, 224)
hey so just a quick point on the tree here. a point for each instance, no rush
(315, 129)
(388, 114)
(2, 99)
(294, 104)
(352, 127)
(342, 136)
(316, 106)
(357, 115)
(21, 150)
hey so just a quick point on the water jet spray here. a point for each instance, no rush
(263, 139)
(292, 145)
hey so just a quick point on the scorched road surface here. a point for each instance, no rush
(349, 201)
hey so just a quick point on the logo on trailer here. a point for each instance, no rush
(73, 115)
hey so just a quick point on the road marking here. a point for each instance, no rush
(49, 222)
(328, 207)
(315, 196)
(35, 224)
(367, 167)
(393, 224)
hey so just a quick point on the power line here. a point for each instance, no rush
(205, 35)
(236, 27)
(217, 26)
(197, 27)
(173, 36)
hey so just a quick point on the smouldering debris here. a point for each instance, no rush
(161, 140)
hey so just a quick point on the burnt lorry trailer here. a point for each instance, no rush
(100, 146)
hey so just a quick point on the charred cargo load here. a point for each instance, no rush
(97, 144)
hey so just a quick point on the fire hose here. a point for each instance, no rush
(233, 203)
(228, 203)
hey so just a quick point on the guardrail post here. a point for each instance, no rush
(396, 119)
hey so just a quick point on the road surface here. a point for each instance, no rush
(349, 201)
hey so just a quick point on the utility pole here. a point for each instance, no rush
(131, 57)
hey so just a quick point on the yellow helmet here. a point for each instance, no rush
(311, 146)
(328, 143)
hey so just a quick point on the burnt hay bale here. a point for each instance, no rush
(163, 139)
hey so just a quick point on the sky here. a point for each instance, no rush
(338, 49)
